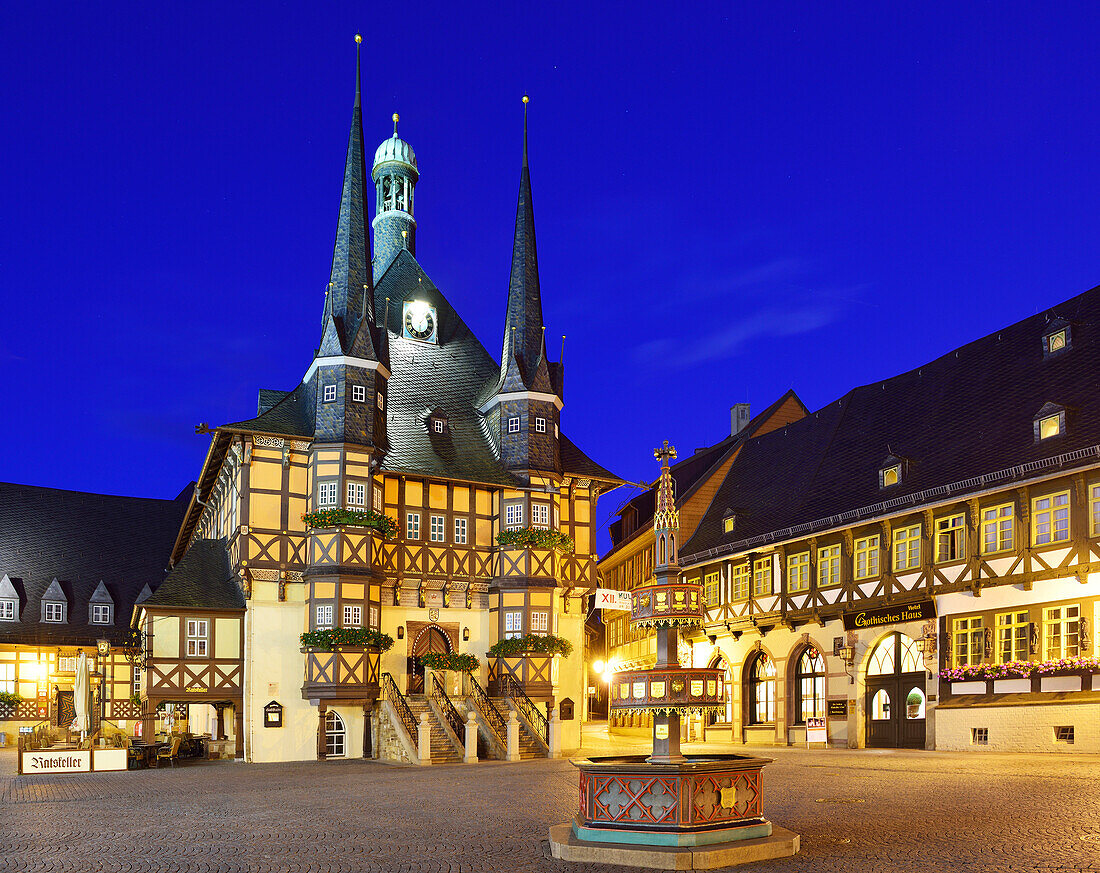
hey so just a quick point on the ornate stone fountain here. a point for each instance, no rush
(668, 811)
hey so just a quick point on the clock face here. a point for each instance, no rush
(419, 321)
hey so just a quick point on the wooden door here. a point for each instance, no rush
(66, 709)
(895, 697)
(431, 639)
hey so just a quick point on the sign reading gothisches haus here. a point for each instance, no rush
(57, 762)
(607, 598)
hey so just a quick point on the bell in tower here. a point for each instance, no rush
(395, 176)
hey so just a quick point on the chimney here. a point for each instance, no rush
(739, 417)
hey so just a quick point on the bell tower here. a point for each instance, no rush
(395, 177)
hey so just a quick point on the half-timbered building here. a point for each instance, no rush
(919, 560)
(400, 412)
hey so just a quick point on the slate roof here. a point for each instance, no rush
(203, 579)
(966, 414)
(81, 539)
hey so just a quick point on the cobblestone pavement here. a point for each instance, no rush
(856, 811)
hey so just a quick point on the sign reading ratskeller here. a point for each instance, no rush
(919, 611)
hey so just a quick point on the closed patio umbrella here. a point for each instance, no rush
(81, 696)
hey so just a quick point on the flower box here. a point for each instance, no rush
(1011, 686)
(976, 687)
(1060, 683)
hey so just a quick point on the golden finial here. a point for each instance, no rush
(396, 118)
(358, 39)
(526, 99)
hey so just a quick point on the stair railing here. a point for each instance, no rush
(393, 694)
(511, 689)
(439, 695)
(489, 709)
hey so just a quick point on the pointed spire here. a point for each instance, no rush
(524, 313)
(351, 295)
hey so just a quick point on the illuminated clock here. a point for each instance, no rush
(419, 321)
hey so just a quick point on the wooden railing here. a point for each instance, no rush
(393, 694)
(489, 709)
(530, 710)
(454, 718)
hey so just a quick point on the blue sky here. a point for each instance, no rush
(730, 200)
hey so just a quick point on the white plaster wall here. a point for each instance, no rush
(1020, 728)
(571, 675)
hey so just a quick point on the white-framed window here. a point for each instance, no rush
(336, 736)
(198, 637)
(460, 531)
(7, 610)
(866, 557)
(357, 493)
(353, 616)
(1061, 632)
(540, 515)
(513, 623)
(437, 425)
(950, 538)
(997, 529)
(66, 664)
(513, 425)
(1050, 519)
(513, 515)
(326, 493)
(1013, 630)
(540, 425)
(55, 611)
(412, 526)
(101, 613)
(381, 401)
(762, 577)
(136, 680)
(7, 678)
(359, 393)
(969, 641)
(540, 622)
(374, 613)
(437, 528)
(330, 393)
(376, 497)
(323, 615)
(739, 581)
(798, 572)
(828, 566)
(907, 547)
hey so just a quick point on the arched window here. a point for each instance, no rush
(335, 736)
(762, 690)
(661, 550)
(810, 685)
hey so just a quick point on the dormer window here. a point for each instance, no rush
(9, 600)
(1050, 421)
(890, 472)
(54, 604)
(53, 611)
(1056, 342)
(101, 613)
(7, 610)
(1057, 339)
(438, 426)
(729, 522)
(101, 606)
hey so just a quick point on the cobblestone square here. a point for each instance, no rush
(855, 811)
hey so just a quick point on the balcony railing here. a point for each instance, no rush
(345, 673)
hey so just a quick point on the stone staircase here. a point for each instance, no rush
(528, 746)
(443, 750)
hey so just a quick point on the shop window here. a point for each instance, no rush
(907, 548)
(950, 538)
(969, 641)
(1050, 519)
(810, 685)
(1013, 633)
(828, 566)
(997, 529)
(866, 557)
(1061, 632)
(335, 735)
(762, 690)
(198, 638)
(762, 577)
(739, 582)
(798, 572)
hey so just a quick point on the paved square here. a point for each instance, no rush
(855, 811)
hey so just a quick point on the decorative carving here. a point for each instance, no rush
(286, 455)
(248, 452)
(1033, 638)
(293, 576)
(299, 445)
(265, 575)
(987, 644)
(1083, 631)
(269, 442)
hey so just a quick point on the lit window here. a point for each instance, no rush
(326, 494)
(513, 425)
(437, 425)
(330, 393)
(1094, 509)
(460, 531)
(762, 690)
(436, 530)
(513, 515)
(907, 548)
(1050, 519)
(1049, 426)
(727, 524)
(55, 612)
(66, 664)
(1013, 632)
(540, 515)
(555, 431)
(1061, 632)
(828, 566)
(866, 557)
(798, 572)
(513, 624)
(540, 425)
(762, 577)
(381, 401)
(353, 616)
(739, 581)
(997, 529)
(136, 679)
(357, 493)
(376, 497)
(412, 526)
(539, 622)
(101, 613)
(359, 393)
(969, 641)
(7, 678)
(710, 589)
(7, 610)
(950, 538)
(810, 681)
(324, 615)
(197, 638)
(1057, 341)
(891, 476)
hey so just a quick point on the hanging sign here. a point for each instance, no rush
(607, 598)
(919, 611)
(816, 731)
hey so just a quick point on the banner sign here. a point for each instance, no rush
(57, 762)
(816, 731)
(922, 610)
(606, 598)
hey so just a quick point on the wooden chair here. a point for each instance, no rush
(172, 753)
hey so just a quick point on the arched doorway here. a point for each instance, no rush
(336, 736)
(723, 716)
(895, 694)
(430, 639)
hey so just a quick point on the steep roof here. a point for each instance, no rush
(203, 579)
(81, 539)
(966, 414)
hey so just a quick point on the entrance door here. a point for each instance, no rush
(895, 694)
(431, 639)
(66, 709)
